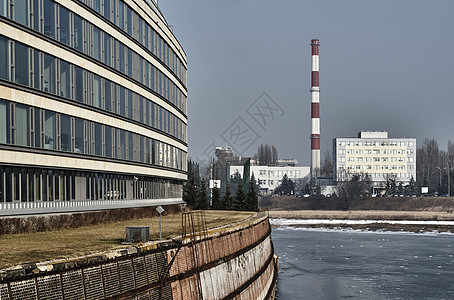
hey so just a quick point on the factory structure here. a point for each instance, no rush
(315, 110)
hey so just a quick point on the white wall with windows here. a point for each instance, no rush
(269, 178)
(382, 158)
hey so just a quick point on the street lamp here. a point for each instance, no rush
(160, 210)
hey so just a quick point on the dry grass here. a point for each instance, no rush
(41, 246)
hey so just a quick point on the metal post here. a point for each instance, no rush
(160, 231)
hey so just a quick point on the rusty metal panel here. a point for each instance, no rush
(140, 272)
(126, 275)
(25, 289)
(93, 283)
(152, 268)
(73, 285)
(111, 279)
(49, 287)
(4, 294)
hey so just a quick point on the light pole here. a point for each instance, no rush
(449, 180)
(439, 186)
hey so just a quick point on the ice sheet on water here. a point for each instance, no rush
(291, 226)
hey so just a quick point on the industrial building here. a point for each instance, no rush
(374, 153)
(92, 105)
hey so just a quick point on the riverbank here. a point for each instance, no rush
(424, 220)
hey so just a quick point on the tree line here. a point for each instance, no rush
(196, 192)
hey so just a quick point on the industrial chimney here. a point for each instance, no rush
(315, 111)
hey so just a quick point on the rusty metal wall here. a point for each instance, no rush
(233, 262)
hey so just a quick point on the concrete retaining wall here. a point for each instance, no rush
(234, 262)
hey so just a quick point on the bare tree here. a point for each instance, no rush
(326, 169)
(428, 160)
(356, 186)
(266, 155)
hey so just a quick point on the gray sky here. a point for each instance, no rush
(384, 65)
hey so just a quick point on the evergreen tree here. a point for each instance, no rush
(202, 201)
(190, 187)
(286, 187)
(227, 199)
(235, 181)
(252, 197)
(216, 199)
(240, 198)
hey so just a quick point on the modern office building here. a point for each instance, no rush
(92, 104)
(376, 154)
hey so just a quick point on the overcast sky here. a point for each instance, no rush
(384, 65)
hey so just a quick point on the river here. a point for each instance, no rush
(351, 264)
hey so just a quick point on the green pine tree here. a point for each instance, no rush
(202, 199)
(239, 201)
(216, 198)
(190, 187)
(227, 198)
(252, 196)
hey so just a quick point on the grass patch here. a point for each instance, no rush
(66, 243)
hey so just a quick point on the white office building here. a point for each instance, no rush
(376, 154)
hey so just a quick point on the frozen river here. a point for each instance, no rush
(348, 264)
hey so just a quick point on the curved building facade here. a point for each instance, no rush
(92, 104)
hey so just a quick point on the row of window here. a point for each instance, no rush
(41, 185)
(70, 29)
(33, 127)
(376, 151)
(41, 71)
(375, 167)
(376, 143)
(120, 14)
(341, 174)
(377, 159)
(279, 173)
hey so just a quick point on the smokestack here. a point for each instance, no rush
(315, 111)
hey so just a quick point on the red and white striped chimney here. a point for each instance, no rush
(315, 111)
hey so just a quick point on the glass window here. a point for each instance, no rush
(122, 101)
(129, 20)
(4, 7)
(21, 64)
(64, 26)
(36, 15)
(37, 70)
(79, 136)
(78, 84)
(78, 33)
(22, 125)
(65, 79)
(4, 121)
(130, 146)
(122, 145)
(97, 91)
(121, 15)
(49, 74)
(108, 140)
(121, 61)
(130, 105)
(96, 43)
(49, 18)
(4, 57)
(65, 133)
(107, 9)
(37, 127)
(21, 11)
(98, 139)
(107, 95)
(97, 5)
(50, 130)
(107, 52)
